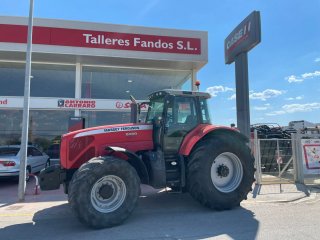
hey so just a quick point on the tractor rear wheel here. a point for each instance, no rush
(220, 172)
(104, 192)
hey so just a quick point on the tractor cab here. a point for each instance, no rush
(174, 114)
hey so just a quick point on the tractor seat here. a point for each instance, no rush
(191, 120)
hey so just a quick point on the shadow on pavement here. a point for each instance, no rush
(158, 216)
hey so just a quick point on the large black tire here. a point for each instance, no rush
(206, 159)
(119, 181)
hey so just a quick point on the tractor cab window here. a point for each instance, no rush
(204, 111)
(186, 111)
(181, 114)
(155, 109)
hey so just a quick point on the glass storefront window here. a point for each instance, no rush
(99, 118)
(117, 83)
(11, 79)
(53, 81)
(45, 128)
(10, 126)
(48, 80)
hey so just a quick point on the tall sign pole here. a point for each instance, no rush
(25, 119)
(236, 46)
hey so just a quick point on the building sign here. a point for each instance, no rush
(101, 39)
(127, 105)
(70, 103)
(4, 101)
(76, 104)
(311, 155)
(243, 38)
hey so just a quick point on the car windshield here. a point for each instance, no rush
(155, 109)
(9, 151)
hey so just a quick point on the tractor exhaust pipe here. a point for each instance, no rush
(134, 110)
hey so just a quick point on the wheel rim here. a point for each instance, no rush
(108, 193)
(226, 172)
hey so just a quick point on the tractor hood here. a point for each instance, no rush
(115, 128)
(79, 146)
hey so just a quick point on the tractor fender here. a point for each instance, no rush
(206, 130)
(134, 160)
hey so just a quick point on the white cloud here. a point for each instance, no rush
(293, 108)
(276, 113)
(317, 59)
(215, 90)
(258, 119)
(260, 108)
(302, 77)
(265, 107)
(294, 78)
(264, 95)
(311, 75)
(233, 96)
(295, 98)
(308, 107)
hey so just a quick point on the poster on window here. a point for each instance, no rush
(311, 155)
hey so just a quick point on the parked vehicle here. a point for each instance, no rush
(53, 152)
(177, 147)
(10, 160)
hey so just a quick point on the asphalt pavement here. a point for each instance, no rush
(159, 215)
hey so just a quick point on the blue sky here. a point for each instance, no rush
(284, 69)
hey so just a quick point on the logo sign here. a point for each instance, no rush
(119, 105)
(126, 105)
(243, 38)
(60, 103)
(77, 104)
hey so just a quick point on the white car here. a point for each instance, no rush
(10, 160)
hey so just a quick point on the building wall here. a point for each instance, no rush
(74, 75)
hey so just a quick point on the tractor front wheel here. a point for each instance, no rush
(104, 192)
(220, 172)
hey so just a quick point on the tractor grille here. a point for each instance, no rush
(86, 156)
(77, 145)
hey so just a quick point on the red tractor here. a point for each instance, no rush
(102, 167)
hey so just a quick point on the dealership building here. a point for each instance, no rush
(88, 70)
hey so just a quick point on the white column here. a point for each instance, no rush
(78, 86)
(193, 80)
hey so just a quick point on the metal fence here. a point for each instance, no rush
(274, 161)
(283, 160)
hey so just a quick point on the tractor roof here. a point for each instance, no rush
(175, 92)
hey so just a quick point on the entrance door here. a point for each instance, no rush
(181, 118)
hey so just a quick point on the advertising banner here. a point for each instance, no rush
(311, 155)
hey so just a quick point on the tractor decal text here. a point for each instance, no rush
(114, 129)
